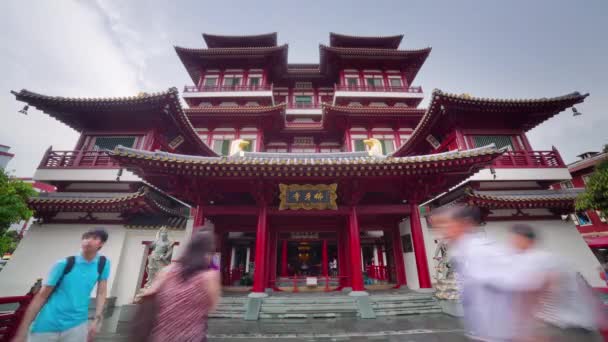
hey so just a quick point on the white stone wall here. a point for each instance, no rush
(44, 244)
(411, 272)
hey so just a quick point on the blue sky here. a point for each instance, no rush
(485, 48)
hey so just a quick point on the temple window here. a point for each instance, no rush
(352, 81)
(566, 184)
(255, 80)
(330, 149)
(110, 142)
(581, 218)
(395, 82)
(387, 141)
(210, 82)
(231, 81)
(499, 140)
(303, 100)
(359, 145)
(303, 150)
(221, 146)
(276, 149)
(374, 82)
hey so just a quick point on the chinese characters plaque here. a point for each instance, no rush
(308, 196)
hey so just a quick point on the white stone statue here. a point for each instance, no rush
(447, 281)
(162, 251)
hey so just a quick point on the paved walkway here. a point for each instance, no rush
(414, 328)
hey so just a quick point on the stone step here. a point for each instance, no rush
(407, 312)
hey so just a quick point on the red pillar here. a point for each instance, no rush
(422, 265)
(324, 255)
(260, 250)
(284, 259)
(271, 261)
(199, 219)
(380, 255)
(355, 251)
(398, 256)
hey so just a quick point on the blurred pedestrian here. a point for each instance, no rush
(185, 292)
(487, 310)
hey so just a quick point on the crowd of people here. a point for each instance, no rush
(511, 291)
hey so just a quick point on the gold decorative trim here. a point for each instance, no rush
(315, 196)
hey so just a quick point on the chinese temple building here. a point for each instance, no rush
(309, 174)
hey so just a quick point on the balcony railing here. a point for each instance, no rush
(416, 90)
(197, 89)
(530, 159)
(304, 106)
(77, 160)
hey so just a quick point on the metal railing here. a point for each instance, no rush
(196, 89)
(11, 319)
(531, 159)
(382, 88)
(76, 159)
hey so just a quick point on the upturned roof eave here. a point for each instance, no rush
(443, 100)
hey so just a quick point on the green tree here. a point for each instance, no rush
(596, 191)
(8, 242)
(14, 194)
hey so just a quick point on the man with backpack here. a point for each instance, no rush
(59, 311)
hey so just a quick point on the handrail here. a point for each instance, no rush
(382, 88)
(196, 89)
(76, 159)
(10, 320)
(531, 159)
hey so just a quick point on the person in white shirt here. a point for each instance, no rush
(488, 314)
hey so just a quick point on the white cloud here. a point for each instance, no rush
(57, 48)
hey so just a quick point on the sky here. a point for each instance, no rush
(486, 48)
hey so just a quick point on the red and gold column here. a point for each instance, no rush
(422, 265)
(260, 250)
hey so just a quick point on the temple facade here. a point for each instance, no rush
(312, 176)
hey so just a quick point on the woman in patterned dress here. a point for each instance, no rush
(187, 291)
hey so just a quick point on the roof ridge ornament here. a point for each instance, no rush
(238, 146)
(374, 147)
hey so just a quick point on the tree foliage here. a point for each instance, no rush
(596, 191)
(8, 242)
(13, 201)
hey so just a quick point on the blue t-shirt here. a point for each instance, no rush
(68, 305)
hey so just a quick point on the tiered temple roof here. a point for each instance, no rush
(452, 167)
(258, 40)
(385, 42)
(445, 110)
(520, 199)
(145, 202)
(158, 110)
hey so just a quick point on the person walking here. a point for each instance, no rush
(59, 311)
(186, 291)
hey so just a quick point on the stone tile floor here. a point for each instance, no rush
(414, 328)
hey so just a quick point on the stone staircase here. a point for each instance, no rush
(230, 307)
(329, 305)
(308, 306)
(409, 303)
